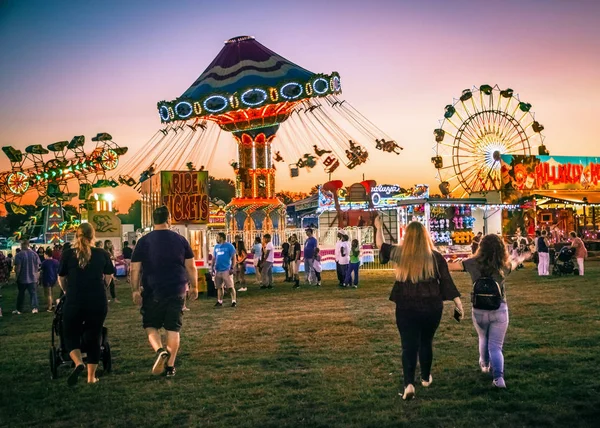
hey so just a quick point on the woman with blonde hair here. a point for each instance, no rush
(422, 284)
(84, 272)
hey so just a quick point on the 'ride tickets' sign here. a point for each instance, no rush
(185, 193)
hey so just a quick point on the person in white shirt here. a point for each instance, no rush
(268, 257)
(344, 260)
(256, 258)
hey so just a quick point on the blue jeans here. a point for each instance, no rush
(491, 327)
(309, 271)
(352, 268)
(30, 287)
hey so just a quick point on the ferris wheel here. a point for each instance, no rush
(480, 126)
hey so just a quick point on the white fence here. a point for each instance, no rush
(326, 238)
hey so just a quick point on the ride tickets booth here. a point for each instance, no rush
(185, 193)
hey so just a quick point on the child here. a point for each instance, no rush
(354, 265)
(317, 266)
(49, 271)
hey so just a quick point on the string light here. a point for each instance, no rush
(184, 109)
(325, 86)
(283, 91)
(254, 93)
(164, 113)
(215, 97)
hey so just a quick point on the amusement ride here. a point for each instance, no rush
(479, 127)
(49, 170)
(250, 91)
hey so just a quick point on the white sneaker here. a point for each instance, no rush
(34, 311)
(242, 289)
(15, 312)
(426, 383)
(499, 383)
(409, 393)
(485, 368)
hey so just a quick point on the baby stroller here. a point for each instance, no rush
(58, 354)
(563, 264)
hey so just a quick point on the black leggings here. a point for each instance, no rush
(113, 294)
(82, 325)
(417, 329)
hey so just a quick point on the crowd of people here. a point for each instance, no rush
(162, 280)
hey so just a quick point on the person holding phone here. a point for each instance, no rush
(422, 284)
(492, 261)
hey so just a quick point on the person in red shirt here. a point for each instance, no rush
(580, 250)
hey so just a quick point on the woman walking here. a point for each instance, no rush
(84, 272)
(110, 249)
(241, 255)
(491, 262)
(422, 284)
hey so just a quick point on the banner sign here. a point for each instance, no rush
(185, 193)
(382, 196)
(550, 173)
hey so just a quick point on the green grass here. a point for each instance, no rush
(319, 358)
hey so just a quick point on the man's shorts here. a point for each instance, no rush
(223, 280)
(295, 264)
(164, 313)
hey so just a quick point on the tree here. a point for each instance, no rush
(133, 216)
(313, 190)
(221, 188)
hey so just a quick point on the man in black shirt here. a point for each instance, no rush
(127, 251)
(285, 254)
(166, 262)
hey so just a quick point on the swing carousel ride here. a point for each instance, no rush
(249, 91)
(48, 171)
(479, 127)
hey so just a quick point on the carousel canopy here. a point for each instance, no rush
(246, 74)
(242, 63)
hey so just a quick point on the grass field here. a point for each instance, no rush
(319, 358)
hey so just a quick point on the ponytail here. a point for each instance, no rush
(83, 244)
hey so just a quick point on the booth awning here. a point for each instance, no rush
(568, 197)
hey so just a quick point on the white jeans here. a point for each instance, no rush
(580, 264)
(544, 264)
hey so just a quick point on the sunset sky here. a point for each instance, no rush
(82, 67)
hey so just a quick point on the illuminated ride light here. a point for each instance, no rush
(321, 85)
(217, 103)
(184, 109)
(291, 91)
(254, 97)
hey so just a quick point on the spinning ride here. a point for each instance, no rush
(249, 91)
(480, 126)
(49, 170)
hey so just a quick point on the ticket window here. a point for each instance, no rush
(198, 244)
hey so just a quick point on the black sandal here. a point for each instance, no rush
(74, 376)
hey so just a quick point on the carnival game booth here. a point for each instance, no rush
(185, 193)
(557, 193)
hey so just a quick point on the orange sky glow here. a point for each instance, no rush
(96, 68)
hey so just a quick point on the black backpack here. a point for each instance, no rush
(487, 294)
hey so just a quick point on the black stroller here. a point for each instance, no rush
(563, 263)
(58, 354)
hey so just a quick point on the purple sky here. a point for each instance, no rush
(82, 67)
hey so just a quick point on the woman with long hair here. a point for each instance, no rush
(84, 272)
(240, 263)
(492, 261)
(422, 284)
(110, 249)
